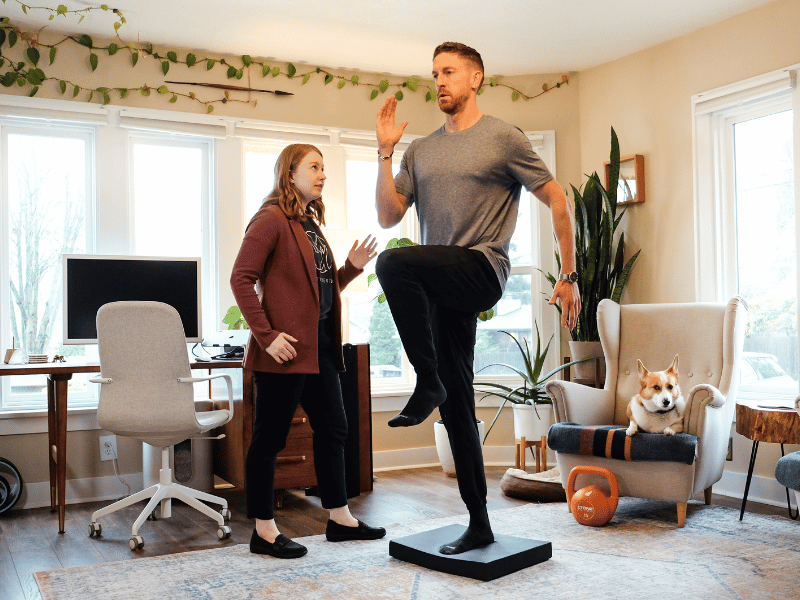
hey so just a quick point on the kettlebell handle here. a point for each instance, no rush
(591, 470)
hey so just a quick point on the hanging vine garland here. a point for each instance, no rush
(27, 72)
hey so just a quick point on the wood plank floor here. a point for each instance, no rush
(29, 541)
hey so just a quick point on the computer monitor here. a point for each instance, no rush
(90, 281)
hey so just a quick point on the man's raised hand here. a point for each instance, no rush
(388, 133)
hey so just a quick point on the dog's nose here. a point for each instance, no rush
(665, 402)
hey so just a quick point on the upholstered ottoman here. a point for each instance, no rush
(787, 472)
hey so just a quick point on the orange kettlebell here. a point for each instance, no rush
(592, 505)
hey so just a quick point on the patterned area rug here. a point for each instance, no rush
(640, 554)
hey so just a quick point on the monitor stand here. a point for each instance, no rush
(508, 554)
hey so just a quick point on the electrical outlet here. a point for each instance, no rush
(730, 449)
(108, 447)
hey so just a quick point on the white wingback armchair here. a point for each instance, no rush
(708, 338)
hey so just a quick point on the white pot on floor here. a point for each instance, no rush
(443, 446)
(532, 422)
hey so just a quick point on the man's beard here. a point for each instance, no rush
(453, 106)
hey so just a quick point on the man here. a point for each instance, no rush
(465, 181)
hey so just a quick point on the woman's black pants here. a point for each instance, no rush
(276, 398)
(435, 294)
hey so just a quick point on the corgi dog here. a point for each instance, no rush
(659, 405)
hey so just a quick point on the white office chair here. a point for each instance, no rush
(147, 393)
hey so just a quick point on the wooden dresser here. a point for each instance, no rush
(295, 468)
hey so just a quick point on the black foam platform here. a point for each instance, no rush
(508, 554)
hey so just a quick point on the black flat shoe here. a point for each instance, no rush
(283, 547)
(341, 533)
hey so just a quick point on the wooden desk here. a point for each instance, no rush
(761, 424)
(58, 376)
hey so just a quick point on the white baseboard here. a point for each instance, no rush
(765, 490)
(413, 458)
(92, 489)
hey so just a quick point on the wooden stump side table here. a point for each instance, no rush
(539, 451)
(762, 424)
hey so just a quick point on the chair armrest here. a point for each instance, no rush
(701, 398)
(209, 378)
(582, 404)
(101, 380)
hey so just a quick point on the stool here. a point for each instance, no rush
(540, 452)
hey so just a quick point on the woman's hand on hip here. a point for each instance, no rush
(281, 350)
(359, 256)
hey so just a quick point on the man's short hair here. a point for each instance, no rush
(465, 52)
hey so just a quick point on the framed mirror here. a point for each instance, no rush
(630, 188)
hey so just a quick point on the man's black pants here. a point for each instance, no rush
(435, 294)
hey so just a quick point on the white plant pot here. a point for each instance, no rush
(532, 422)
(443, 446)
(585, 370)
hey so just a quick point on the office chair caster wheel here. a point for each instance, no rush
(136, 542)
(226, 514)
(95, 529)
(224, 532)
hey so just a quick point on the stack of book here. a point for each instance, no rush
(37, 358)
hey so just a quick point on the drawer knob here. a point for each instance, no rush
(298, 420)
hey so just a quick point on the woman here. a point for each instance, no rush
(287, 287)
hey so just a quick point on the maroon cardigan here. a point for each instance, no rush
(274, 281)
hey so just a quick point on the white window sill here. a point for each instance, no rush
(35, 421)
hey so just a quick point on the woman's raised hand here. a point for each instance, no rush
(359, 256)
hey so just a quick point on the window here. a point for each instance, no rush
(747, 141)
(259, 169)
(46, 211)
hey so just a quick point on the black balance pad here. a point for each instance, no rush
(508, 554)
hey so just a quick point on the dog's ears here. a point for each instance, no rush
(643, 372)
(673, 368)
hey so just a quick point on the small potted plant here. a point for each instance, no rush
(533, 409)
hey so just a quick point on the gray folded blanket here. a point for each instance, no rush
(610, 441)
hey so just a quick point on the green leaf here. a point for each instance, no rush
(36, 77)
(33, 91)
(174, 99)
(370, 278)
(61, 9)
(53, 55)
(290, 70)
(514, 96)
(76, 90)
(9, 79)
(373, 94)
(85, 40)
(354, 80)
(2, 36)
(106, 98)
(247, 60)
(165, 66)
(162, 89)
(275, 71)
(480, 91)
(104, 6)
(112, 49)
(381, 297)
(306, 77)
(231, 72)
(192, 95)
(240, 73)
(412, 84)
(210, 64)
(62, 85)
(123, 92)
(264, 70)
(12, 38)
(341, 83)
(33, 55)
(93, 60)
(172, 56)
(429, 96)
(191, 59)
(383, 86)
(493, 81)
(328, 78)
(134, 59)
(25, 9)
(145, 91)
(209, 109)
(399, 94)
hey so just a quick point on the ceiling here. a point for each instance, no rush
(398, 36)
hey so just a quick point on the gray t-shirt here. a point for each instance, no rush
(466, 186)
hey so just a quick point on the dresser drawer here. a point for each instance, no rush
(300, 427)
(295, 464)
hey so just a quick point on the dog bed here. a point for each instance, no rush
(539, 487)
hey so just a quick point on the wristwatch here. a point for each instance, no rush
(384, 157)
(569, 277)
